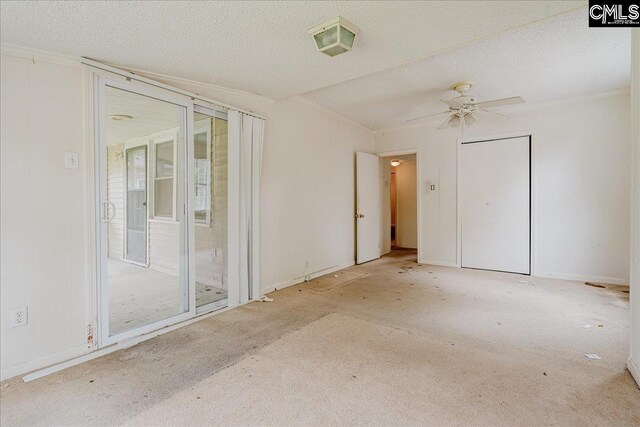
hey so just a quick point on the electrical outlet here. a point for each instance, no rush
(19, 317)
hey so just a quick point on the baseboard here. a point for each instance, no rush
(634, 369)
(581, 278)
(438, 263)
(301, 279)
(549, 274)
(32, 365)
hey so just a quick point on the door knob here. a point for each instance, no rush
(359, 216)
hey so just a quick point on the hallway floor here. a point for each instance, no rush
(401, 344)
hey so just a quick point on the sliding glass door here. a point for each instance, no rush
(210, 148)
(143, 189)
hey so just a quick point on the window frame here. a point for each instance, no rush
(170, 135)
(204, 126)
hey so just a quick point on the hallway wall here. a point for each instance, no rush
(406, 221)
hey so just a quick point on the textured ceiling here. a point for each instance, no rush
(558, 58)
(260, 47)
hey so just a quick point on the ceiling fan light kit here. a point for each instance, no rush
(463, 107)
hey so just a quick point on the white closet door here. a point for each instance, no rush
(495, 205)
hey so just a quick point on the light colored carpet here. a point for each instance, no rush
(427, 346)
(330, 281)
(340, 370)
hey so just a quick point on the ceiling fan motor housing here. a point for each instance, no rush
(466, 99)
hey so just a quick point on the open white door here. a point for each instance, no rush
(367, 207)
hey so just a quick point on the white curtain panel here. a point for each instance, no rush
(256, 174)
(247, 133)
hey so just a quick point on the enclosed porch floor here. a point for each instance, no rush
(139, 296)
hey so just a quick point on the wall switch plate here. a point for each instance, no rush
(18, 317)
(214, 253)
(71, 160)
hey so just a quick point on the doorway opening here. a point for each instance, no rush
(400, 203)
(383, 218)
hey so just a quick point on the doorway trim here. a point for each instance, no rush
(532, 193)
(415, 151)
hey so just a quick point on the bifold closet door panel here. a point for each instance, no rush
(495, 205)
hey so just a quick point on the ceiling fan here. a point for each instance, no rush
(463, 107)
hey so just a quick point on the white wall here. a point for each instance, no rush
(406, 214)
(385, 205)
(44, 213)
(308, 193)
(581, 185)
(634, 358)
(307, 200)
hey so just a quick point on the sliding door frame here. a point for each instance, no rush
(187, 244)
(232, 218)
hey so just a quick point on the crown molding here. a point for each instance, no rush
(37, 55)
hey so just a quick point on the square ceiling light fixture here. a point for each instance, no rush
(334, 37)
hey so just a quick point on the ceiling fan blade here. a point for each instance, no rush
(445, 124)
(430, 115)
(501, 102)
(452, 102)
(493, 113)
(469, 120)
